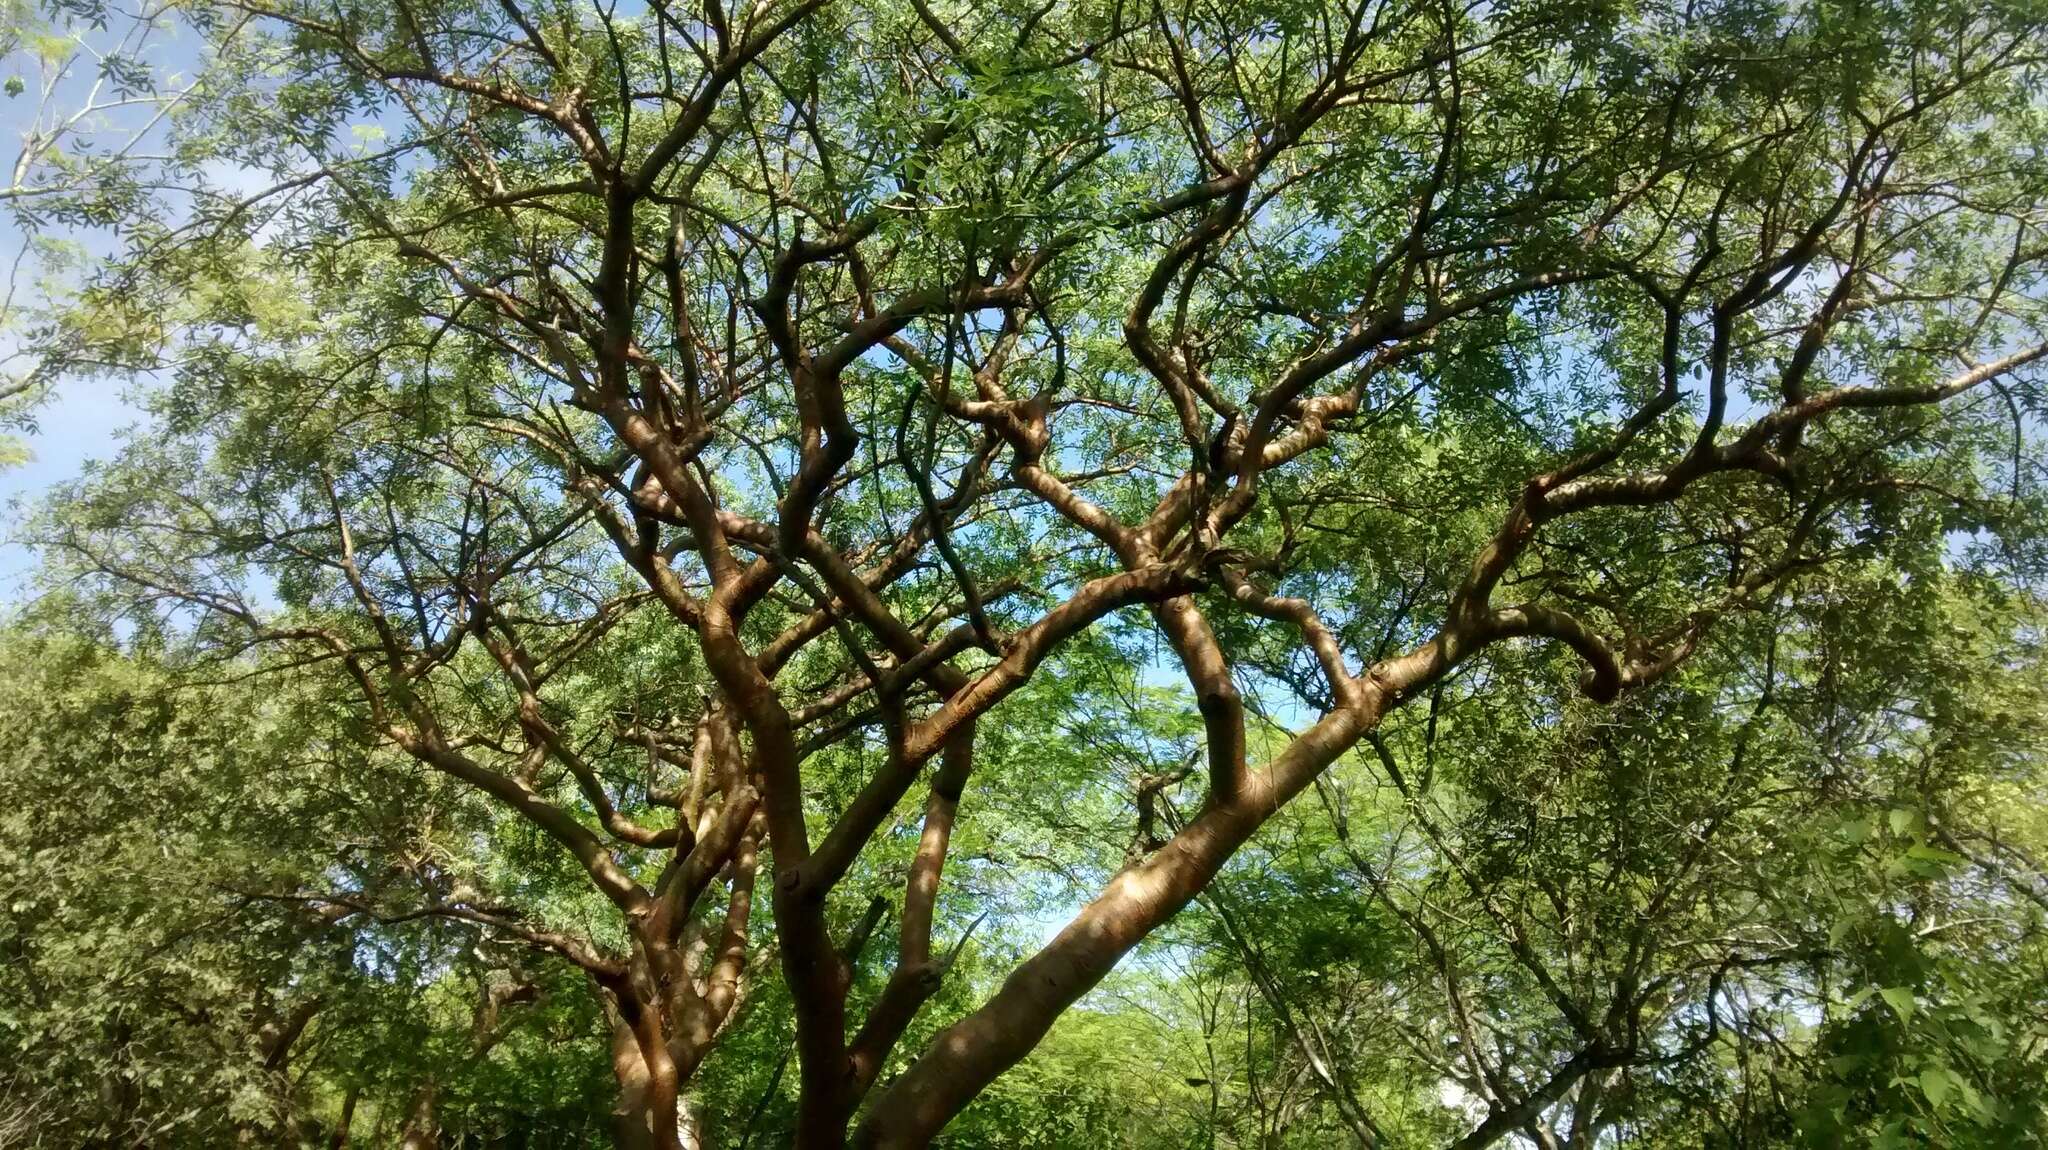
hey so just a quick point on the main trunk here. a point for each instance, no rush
(422, 1125)
(645, 1116)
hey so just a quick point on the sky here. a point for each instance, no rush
(78, 425)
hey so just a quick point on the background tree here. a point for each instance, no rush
(89, 90)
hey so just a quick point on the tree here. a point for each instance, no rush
(146, 1000)
(695, 432)
(1678, 921)
(92, 95)
(155, 993)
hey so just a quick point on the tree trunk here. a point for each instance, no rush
(645, 1116)
(968, 1055)
(119, 1095)
(422, 1128)
(348, 1116)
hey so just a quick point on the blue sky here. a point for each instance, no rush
(78, 425)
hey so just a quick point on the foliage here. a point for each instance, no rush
(710, 575)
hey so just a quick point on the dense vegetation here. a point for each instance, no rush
(1031, 573)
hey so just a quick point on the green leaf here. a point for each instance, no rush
(1936, 1083)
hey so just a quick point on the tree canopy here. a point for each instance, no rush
(1042, 573)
